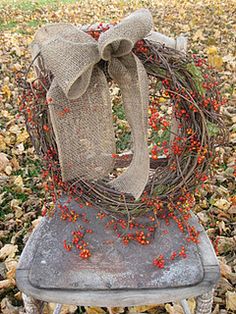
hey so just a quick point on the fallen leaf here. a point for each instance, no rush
(36, 222)
(174, 309)
(212, 50)
(15, 164)
(222, 204)
(215, 61)
(142, 308)
(231, 300)
(8, 250)
(198, 35)
(22, 137)
(3, 145)
(8, 308)
(18, 181)
(6, 91)
(66, 309)
(4, 161)
(7, 283)
(8, 170)
(225, 244)
(18, 296)
(225, 269)
(11, 264)
(232, 210)
(116, 310)
(14, 129)
(94, 310)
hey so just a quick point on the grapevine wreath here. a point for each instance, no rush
(182, 137)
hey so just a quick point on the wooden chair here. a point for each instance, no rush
(116, 275)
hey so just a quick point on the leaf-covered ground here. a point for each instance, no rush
(211, 27)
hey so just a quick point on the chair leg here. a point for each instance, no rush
(204, 303)
(58, 309)
(185, 306)
(32, 305)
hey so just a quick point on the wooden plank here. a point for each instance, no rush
(112, 264)
(112, 298)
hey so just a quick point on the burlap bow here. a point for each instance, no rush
(81, 108)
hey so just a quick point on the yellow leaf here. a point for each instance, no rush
(162, 99)
(142, 308)
(94, 310)
(212, 50)
(22, 137)
(231, 300)
(18, 181)
(175, 309)
(3, 145)
(215, 61)
(6, 91)
(16, 67)
(9, 139)
(6, 114)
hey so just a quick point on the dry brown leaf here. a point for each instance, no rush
(225, 269)
(192, 305)
(4, 161)
(18, 296)
(231, 300)
(225, 244)
(22, 137)
(216, 309)
(116, 310)
(36, 221)
(94, 310)
(8, 170)
(7, 283)
(8, 308)
(222, 204)
(8, 250)
(11, 265)
(6, 91)
(66, 309)
(18, 181)
(14, 129)
(3, 145)
(198, 35)
(142, 308)
(174, 309)
(15, 163)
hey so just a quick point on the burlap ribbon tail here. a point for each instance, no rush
(80, 110)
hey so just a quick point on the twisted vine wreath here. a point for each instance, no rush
(192, 130)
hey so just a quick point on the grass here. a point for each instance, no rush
(27, 5)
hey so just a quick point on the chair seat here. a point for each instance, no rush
(114, 273)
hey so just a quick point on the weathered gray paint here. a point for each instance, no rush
(115, 274)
